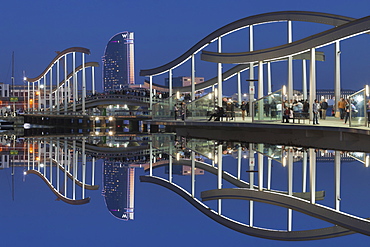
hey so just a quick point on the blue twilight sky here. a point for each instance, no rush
(165, 29)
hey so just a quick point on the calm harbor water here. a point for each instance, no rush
(88, 189)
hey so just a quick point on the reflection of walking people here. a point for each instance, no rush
(175, 110)
(315, 110)
(368, 110)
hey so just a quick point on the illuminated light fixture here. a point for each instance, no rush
(24, 78)
(97, 133)
(367, 160)
(367, 90)
(110, 106)
(178, 156)
(37, 158)
(97, 119)
(41, 165)
(24, 173)
(216, 91)
(209, 96)
(177, 95)
(41, 86)
(110, 133)
(284, 161)
(117, 106)
(284, 90)
(110, 118)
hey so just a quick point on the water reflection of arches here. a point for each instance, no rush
(335, 231)
(262, 191)
(59, 166)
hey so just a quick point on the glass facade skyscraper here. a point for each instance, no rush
(118, 62)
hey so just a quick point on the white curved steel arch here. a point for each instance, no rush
(314, 17)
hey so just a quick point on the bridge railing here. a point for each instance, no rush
(268, 108)
(202, 108)
(357, 109)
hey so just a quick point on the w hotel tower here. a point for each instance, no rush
(118, 61)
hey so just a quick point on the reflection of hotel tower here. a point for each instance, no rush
(118, 60)
(119, 189)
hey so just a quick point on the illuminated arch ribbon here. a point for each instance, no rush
(57, 57)
(78, 69)
(230, 178)
(322, 233)
(344, 31)
(57, 193)
(305, 16)
(78, 182)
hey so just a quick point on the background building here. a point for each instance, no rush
(118, 62)
(182, 81)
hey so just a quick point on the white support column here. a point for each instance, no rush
(312, 80)
(170, 87)
(39, 96)
(290, 64)
(219, 176)
(337, 180)
(74, 83)
(74, 169)
(65, 163)
(239, 89)
(290, 186)
(92, 171)
(151, 93)
(51, 160)
(260, 171)
(312, 175)
(28, 155)
(193, 174)
(57, 155)
(93, 79)
(33, 96)
(65, 95)
(251, 73)
(51, 89)
(260, 90)
(192, 77)
(219, 75)
(337, 82)
(170, 165)
(44, 160)
(150, 159)
(83, 166)
(269, 165)
(251, 181)
(304, 78)
(28, 96)
(57, 89)
(269, 82)
(44, 108)
(83, 85)
(304, 172)
(239, 162)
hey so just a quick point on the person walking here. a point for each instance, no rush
(315, 110)
(347, 109)
(341, 107)
(243, 107)
(324, 106)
